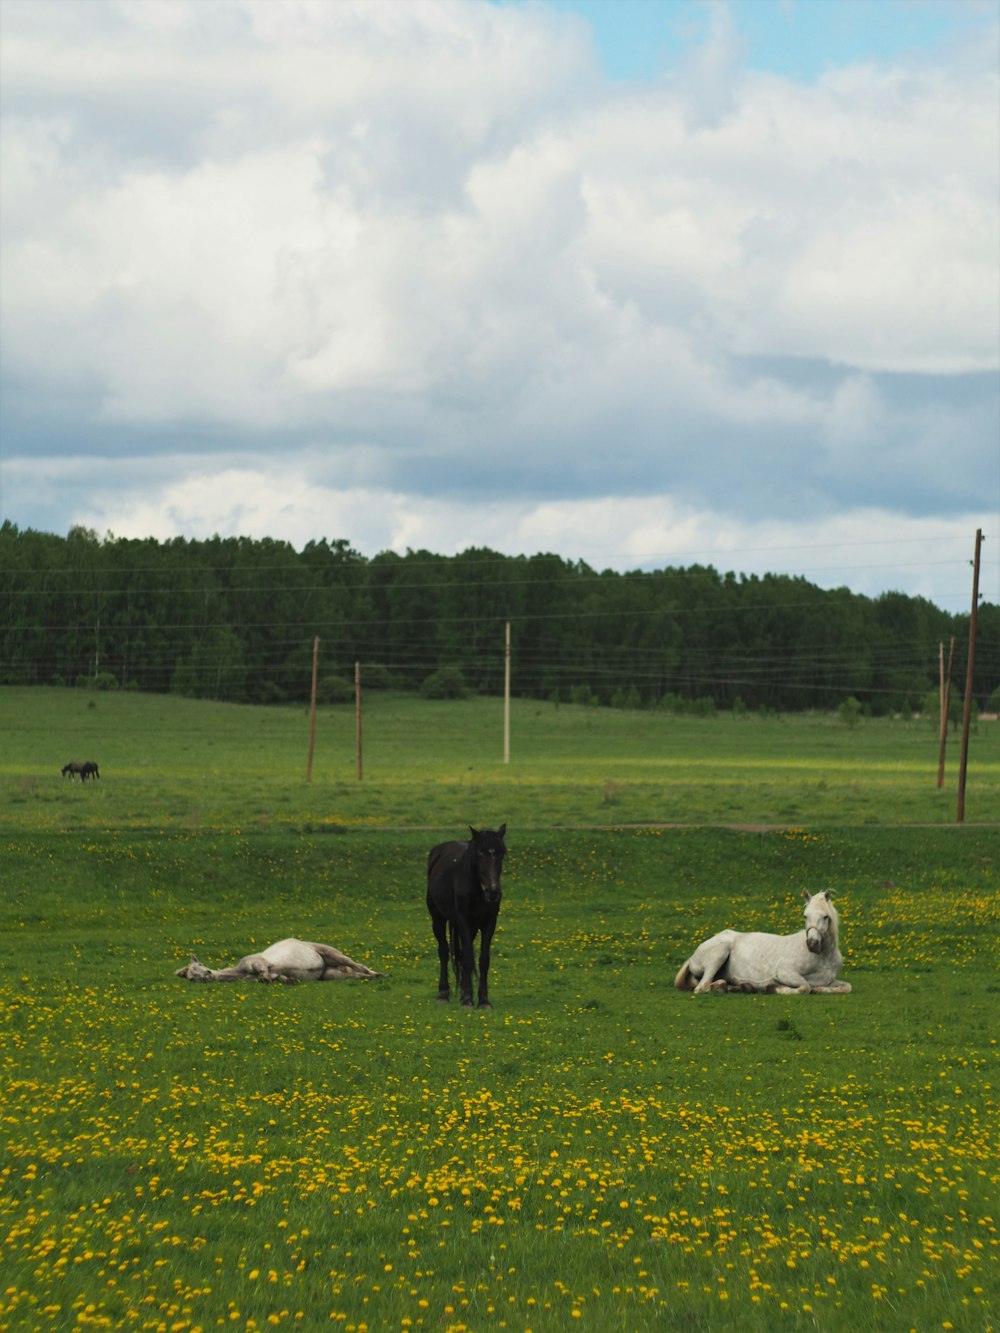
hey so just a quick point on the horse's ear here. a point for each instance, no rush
(474, 832)
(806, 894)
(828, 895)
(502, 830)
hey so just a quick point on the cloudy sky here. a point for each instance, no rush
(641, 283)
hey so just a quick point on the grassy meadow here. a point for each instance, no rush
(598, 1151)
(440, 764)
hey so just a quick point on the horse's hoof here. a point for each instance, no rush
(485, 1004)
(467, 1003)
(444, 998)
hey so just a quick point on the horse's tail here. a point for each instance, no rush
(455, 945)
(684, 979)
(455, 948)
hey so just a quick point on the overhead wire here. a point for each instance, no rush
(350, 575)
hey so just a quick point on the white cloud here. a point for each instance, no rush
(428, 252)
(869, 548)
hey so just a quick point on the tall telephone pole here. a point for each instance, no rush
(969, 679)
(506, 697)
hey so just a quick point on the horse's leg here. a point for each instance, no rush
(467, 957)
(440, 925)
(790, 982)
(711, 961)
(339, 965)
(253, 965)
(333, 972)
(833, 988)
(484, 963)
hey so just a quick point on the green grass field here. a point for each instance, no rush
(167, 761)
(598, 1151)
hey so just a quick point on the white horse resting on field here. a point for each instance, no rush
(736, 960)
(287, 961)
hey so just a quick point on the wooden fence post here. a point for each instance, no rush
(945, 707)
(357, 713)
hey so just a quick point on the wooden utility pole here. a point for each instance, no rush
(312, 713)
(969, 680)
(357, 713)
(506, 697)
(945, 705)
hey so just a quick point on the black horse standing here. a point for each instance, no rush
(463, 898)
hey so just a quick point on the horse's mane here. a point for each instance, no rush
(834, 917)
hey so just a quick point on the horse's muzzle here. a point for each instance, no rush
(814, 941)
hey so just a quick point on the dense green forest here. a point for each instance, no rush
(236, 619)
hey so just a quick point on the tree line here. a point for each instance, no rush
(235, 619)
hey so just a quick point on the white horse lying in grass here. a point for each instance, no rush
(287, 961)
(736, 960)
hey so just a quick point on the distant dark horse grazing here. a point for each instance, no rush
(463, 898)
(87, 770)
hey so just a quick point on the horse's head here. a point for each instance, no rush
(821, 920)
(489, 851)
(194, 971)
